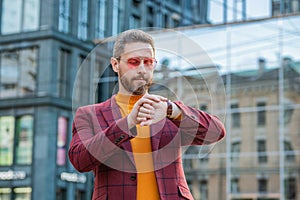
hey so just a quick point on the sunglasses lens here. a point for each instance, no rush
(134, 62)
(148, 61)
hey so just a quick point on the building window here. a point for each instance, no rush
(62, 133)
(261, 150)
(235, 185)
(22, 193)
(290, 185)
(83, 81)
(18, 70)
(115, 17)
(7, 132)
(63, 73)
(20, 16)
(288, 113)
(5, 193)
(134, 21)
(80, 195)
(261, 114)
(188, 4)
(203, 190)
(188, 161)
(289, 152)
(166, 20)
(107, 81)
(262, 185)
(64, 19)
(289, 6)
(24, 133)
(235, 151)
(16, 140)
(83, 19)
(176, 23)
(61, 194)
(203, 153)
(235, 116)
(17, 193)
(100, 23)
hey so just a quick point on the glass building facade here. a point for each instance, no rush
(258, 99)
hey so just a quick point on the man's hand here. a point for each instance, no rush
(153, 113)
(147, 110)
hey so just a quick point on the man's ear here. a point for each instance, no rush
(115, 64)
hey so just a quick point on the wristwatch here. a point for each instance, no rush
(169, 109)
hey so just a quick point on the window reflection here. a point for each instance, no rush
(262, 151)
(5, 193)
(64, 16)
(19, 16)
(235, 116)
(83, 19)
(7, 126)
(18, 73)
(235, 151)
(63, 73)
(22, 193)
(260, 65)
(262, 185)
(101, 22)
(24, 133)
(16, 139)
(289, 151)
(31, 14)
(62, 140)
(261, 114)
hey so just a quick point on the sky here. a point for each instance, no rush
(254, 9)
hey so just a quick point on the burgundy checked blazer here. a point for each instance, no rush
(101, 143)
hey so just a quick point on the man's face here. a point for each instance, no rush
(135, 78)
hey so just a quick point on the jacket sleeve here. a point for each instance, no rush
(94, 140)
(198, 127)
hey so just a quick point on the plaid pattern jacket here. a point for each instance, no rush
(101, 143)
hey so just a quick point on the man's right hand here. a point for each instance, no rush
(144, 109)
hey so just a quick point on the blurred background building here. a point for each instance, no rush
(46, 70)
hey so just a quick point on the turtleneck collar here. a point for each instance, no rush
(127, 99)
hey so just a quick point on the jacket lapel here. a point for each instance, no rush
(116, 115)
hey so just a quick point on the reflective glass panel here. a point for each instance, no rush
(7, 130)
(24, 135)
(18, 73)
(62, 140)
(20, 15)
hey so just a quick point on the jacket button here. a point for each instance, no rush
(133, 177)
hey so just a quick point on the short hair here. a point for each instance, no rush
(131, 36)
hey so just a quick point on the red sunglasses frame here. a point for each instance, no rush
(135, 62)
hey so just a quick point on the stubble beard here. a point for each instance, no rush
(133, 89)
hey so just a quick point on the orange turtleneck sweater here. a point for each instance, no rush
(142, 152)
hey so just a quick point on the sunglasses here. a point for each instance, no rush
(135, 62)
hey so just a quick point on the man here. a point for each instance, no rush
(132, 142)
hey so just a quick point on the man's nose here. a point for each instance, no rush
(142, 68)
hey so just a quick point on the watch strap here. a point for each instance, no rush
(169, 109)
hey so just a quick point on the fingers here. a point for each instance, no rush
(155, 98)
(146, 112)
